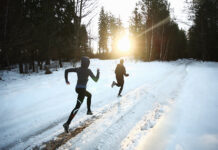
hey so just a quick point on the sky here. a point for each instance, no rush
(124, 9)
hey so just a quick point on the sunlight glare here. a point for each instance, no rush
(124, 43)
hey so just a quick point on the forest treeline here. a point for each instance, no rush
(203, 35)
(34, 32)
(37, 31)
(156, 36)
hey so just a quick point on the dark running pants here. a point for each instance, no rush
(120, 83)
(82, 92)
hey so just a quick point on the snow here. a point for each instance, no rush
(192, 121)
(165, 105)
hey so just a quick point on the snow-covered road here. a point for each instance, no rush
(155, 111)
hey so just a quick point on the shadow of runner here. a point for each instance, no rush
(62, 138)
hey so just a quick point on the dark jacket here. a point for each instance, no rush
(82, 73)
(120, 71)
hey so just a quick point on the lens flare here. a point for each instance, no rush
(123, 43)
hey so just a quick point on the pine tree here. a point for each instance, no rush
(38, 30)
(157, 36)
(103, 32)
(136, 28)
(203, 34)
(116, 29)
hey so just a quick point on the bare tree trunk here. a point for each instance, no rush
(148, 50)
(40, 65)
(203, 44)
(26, 70)
(33, 66)
(161, 50)
(80, 11)
(77, 19)
(20, 67)
(60, 63)
(152, 36)
(166, 51)
(5, 33)
(90, 45)
(6, 19)
(33, 61)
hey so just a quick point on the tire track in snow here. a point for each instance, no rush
(146, 124)
(149, 120)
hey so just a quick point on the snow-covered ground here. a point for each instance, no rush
(165, 106)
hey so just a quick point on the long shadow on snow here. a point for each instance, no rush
(64, 137)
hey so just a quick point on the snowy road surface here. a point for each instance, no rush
(165, 105)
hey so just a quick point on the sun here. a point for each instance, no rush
(123, 43)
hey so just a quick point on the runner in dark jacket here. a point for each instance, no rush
(82, 73)
(120, 72)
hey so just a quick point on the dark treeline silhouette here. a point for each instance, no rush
(156, 35)
(34, 32)
(159, 38)
(153, 34)
(109, 28)
(42, 30)
(203, 34)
